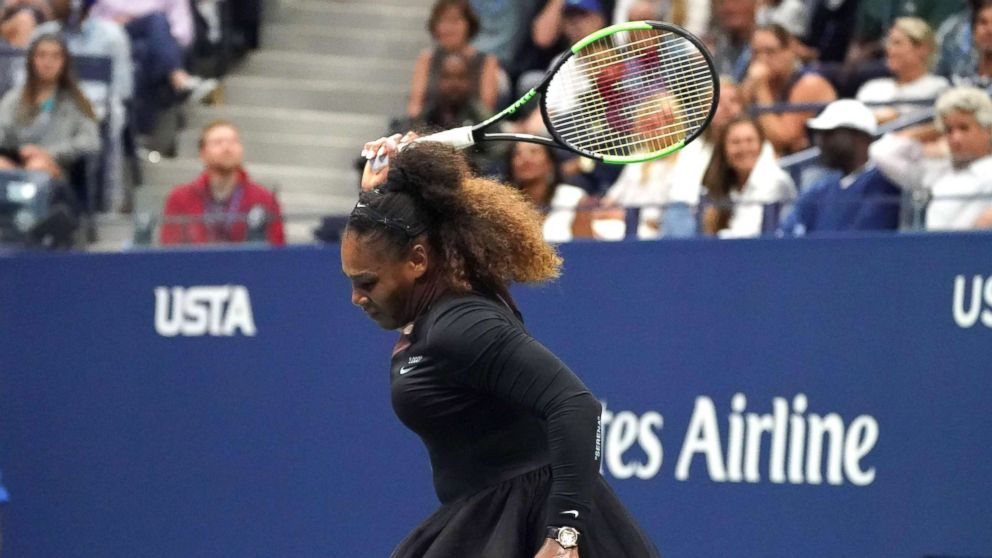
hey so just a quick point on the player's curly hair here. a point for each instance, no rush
(486, 233)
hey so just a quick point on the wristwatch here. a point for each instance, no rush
(566, 537)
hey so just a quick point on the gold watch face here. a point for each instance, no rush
(568, 537)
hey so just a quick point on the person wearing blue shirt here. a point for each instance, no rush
(856, 195)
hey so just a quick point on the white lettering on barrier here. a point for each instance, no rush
(967, 309)
(222, 310)
(623, 431)
(796, 447)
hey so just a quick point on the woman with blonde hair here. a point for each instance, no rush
(909, 55)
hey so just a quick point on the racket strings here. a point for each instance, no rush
(593, 61)
(623, 98)
(631, 98)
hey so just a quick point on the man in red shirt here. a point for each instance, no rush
(215, 206)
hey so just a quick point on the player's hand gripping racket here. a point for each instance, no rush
(628, 93)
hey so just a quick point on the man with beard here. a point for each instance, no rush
(856, 195)
(214, 207)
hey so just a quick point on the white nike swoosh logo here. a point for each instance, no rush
(405, 369)
(574, 513)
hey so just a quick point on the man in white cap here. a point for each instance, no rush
(855, 197)
(960, 184)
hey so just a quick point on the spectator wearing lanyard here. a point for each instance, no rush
(214, 207)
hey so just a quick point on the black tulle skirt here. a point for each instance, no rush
(507, 520)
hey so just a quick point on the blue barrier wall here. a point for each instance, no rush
(764, 398)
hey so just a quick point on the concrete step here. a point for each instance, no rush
(301, 65)
(253, 120)
(305, 150)
(116, 233)
(301, 189)
(321, 95)
(367, 42)
(383, 15)
(352, 14)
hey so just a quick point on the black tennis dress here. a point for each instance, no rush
(514, 439)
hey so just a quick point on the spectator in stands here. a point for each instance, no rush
(975, 68)
(729, 39)
(557, 25)
(865, 58)
(179, 17)
(645, 186)
(875, 17)
(503, 28)
(776, 76)
(909, 52)
(534, 170)
(572, 19)
(693, 16)
(961, 183)
(454, 105)
(160, 30)
(20, 18)
(831, 29)
(47, 124)
(560, 24)
(89, 36)
(954, 41)
(539, 47)
(792, 15)
(859, 196)
(741, 180)
(215, 207)
(452, 24)
(693, 160)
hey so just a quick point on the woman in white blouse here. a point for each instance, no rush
(909, 55)
(741, 179)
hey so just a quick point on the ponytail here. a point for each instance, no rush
(486, 234)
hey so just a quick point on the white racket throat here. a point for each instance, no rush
(459, 138)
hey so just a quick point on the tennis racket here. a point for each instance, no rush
(628, 93)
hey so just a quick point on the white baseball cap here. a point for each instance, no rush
(845, 113)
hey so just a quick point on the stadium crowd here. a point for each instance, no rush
(858, 64)
(795, 75)
(90, 88)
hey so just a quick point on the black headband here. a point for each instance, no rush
(399, 225)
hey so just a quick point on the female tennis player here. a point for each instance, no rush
(513, 435)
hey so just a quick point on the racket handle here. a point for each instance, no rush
(459, 138)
